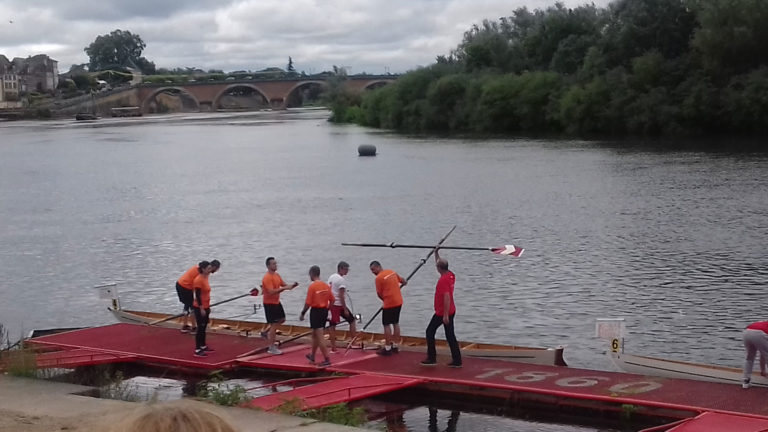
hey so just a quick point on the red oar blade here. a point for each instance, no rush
(509, 250)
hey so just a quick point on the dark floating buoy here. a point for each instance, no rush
(366, 150)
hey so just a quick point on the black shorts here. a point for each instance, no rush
(274, 312)
(391, 315)
(318, 317)
(186, 296)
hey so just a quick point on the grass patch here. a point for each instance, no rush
(220, 393)
(340, 414)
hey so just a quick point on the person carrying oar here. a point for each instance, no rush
(388, 286)
(186, 294)
(202, 307)
(445, 310)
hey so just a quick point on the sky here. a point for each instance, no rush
(361, 35)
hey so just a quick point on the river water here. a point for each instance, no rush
(673, 241)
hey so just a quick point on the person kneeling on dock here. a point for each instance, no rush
(319, 296)
(445, 310)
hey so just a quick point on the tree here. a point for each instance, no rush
(119, 48)
(290, 67)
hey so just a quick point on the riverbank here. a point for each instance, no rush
(33, 405)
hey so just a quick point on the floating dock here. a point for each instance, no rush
(692, 405)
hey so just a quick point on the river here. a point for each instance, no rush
(673, 241)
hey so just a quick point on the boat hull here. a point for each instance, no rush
(652, 366)
(369, 340)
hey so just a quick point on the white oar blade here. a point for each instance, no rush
(509, 250)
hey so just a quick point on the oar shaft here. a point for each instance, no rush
(407, 246)
(182, 314)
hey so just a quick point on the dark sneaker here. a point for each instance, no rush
(324, 363)
(454, 365)
(395, 349)
(200, 353)
(185, 329)
(384, 352)
(264, 335)
(428, 362)
(311, 358)
(745, 384)
(208, 349)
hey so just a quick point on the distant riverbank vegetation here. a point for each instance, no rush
(633, 68)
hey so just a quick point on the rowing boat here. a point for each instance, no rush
(652, 366)
(368, 340)
(612, 329)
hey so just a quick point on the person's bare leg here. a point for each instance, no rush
(352, 330)
(321, 343)
(332, 337)
(387, 335)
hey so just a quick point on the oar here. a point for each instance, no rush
(423, 261)
(512, 250)
(260, 350)
(252, 292)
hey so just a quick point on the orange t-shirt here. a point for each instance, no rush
(201, 283)
(319, 294)
(271, 281)
(388, 288)
(188, 277)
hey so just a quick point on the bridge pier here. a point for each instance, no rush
(206, 106)
(277, 103)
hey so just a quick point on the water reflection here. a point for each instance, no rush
(453, 421)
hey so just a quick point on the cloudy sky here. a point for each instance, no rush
(364, 35)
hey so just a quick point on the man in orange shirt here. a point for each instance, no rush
(319, 297)
(272, 285)
(388, 286)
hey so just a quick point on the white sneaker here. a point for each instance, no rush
(273, 350)
(745, 384)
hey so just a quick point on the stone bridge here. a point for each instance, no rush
(207, 95)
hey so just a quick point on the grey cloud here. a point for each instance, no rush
(253, 34)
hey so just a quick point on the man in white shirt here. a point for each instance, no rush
(339, 307)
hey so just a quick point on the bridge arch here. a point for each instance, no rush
(376, 84)
(177, 90)
(216, 103)
(292, 92)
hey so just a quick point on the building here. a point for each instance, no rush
(38, 73)
(10, 85)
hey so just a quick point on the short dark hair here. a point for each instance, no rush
(268, 260)
(341, 265)
(314, 271)
(374, 263)
(216, 263)
(202, 265)
(442, 264)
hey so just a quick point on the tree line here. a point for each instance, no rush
(633, 68)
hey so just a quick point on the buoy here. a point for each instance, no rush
(366, 150)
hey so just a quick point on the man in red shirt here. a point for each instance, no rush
(388, 286)
(445, 310)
